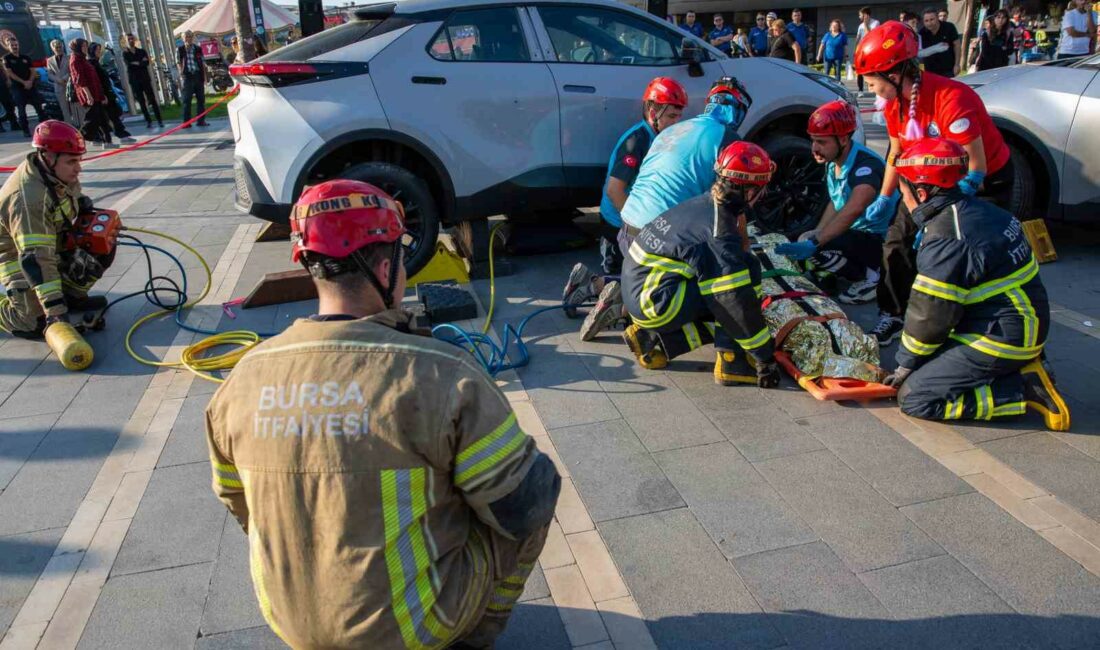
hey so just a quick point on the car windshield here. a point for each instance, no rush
(1087, 62)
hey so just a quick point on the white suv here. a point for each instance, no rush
(463, 109)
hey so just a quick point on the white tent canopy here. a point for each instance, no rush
(217, 18)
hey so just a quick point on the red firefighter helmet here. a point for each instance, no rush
(884, 47)
(56, 136)
(835, 118)
(338, 217)
(745, 163)
(934, 161)
(666, 90)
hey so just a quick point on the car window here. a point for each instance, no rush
(582, 34)
(481, 35)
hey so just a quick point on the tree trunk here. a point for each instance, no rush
(242, 16)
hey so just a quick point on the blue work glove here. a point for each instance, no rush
(801, 250)
(972, 182)
(878, 208)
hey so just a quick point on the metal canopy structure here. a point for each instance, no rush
(84, 10)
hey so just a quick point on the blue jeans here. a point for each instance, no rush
(831, 66)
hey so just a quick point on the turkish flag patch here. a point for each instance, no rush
(630, 161)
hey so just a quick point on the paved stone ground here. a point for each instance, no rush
(721, 517)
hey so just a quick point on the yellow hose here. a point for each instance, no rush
(492, 280)
(192, 358)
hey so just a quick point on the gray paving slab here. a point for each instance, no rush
(689, 594)
(1023, 569)
(231, 600)
(105, 402)
(1085, 428)
(834, 609)
(158, 609)
(19, 437)
(949, 606)
(736, 506)
(1066, 472)
(178, 522)
(696, 379)
(47, 389)
(614, 473)
(797, 403)
(563, 391)
(21, 358)
(255, 638)
(22, 558)
(763, 432)
(187, 441)
(534, 624)
(855, 520)
(53, 481)
(660, 414)
(890, 463)
(536, 587)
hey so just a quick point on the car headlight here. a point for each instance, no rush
(833, 85)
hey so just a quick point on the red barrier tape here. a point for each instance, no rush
(107, 154)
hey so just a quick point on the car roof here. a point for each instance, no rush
(421, 6)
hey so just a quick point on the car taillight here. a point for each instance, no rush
(278, 73)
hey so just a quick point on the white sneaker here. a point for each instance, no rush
(578, 289)
(859, 293)
(888, 329)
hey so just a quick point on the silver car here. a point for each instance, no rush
(1049, 114)
(464, 109)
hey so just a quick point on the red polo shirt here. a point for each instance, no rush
(952, 110)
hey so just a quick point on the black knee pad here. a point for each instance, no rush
(33, 335)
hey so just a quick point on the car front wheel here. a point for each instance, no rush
(421, 213)
(797, 194)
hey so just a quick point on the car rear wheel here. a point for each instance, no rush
(1022, 203)
(797, 193)
(421, 213)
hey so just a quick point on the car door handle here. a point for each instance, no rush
(588, 90)
(431, 81)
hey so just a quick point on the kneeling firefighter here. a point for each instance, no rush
(978, 315)
(43, 276)
(390, 497)
(689, 278)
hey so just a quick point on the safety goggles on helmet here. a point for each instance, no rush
(729, 90)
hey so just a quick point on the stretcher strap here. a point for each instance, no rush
(781, 335)
(787, 295)
(779, 273)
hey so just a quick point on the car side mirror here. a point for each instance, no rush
(692, 55)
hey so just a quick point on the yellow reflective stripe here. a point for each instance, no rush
(651, 284)
(227, 475)
(918, 348)
(255, 565)
(66, 282)
(1027, 314)
(656, 320)
(46, 288)
(477, 459)
(658, 262)
(725, 283)
(30, 240)
(758, 290)
(1017, 278)
(998, 349)
(505, 595)
(1009, 409)
(757, 340)
(953, 410)
(10, 268)
(693, 338)
(983, 403)
(711, 327)
(404, 507)
(939, 289)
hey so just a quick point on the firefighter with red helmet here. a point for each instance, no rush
(921, 104)
(42, 280)
(679, 166)
(663, 104)
(689, 280)
(978, 316)
(389, 495)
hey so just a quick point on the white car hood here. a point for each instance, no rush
(998, 74)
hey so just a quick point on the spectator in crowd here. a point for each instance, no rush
(832, 50)
(690, 26)
(20, 71)
(866, 24)
(721, 36)
(942, 15)
(783, 43)
(758, 36)
(57, 70)
(8, 104)
(1078, 31)
(192, 70)
(912, 21)
(141, 83)
(995, 45)
(114, 111)
(741, 43)
(800, 30)
(943, 36)
(89, 92)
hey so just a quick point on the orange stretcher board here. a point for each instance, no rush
(834, 388)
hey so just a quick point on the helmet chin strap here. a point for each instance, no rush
(385, 292)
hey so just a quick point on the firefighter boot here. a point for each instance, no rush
(646, 347)
(85, 303)
(731, 369)
(1042, 396)
(71, 349)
